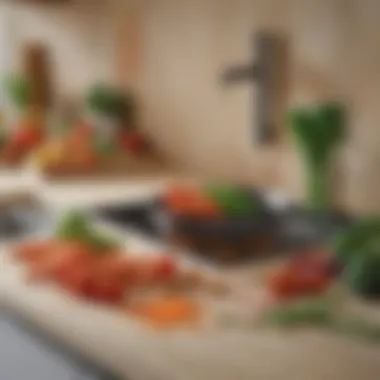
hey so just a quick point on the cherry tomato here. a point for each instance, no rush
(133, 142)
(164, 269)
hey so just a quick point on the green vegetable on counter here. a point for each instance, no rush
(75, 226)
(357, 250)
(233, 201)
(324, 314)
(313, 311)
(363, 274)
(318, 131)
(354, 240)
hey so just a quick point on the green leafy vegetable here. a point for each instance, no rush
(233, 201)
(318, 131)
(75, 226)
(18, 90)
(363, 235)
(110, 101)
(303, 312)
(324, 313)
(363, 274)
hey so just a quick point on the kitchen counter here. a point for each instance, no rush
(135, 353)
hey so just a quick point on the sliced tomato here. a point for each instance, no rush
(118, 267)
(102, 289)
(64, 256)
(76, 280)
(32, 251)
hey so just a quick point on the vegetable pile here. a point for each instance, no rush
(80, 149)
(91, 265)
(210, 202)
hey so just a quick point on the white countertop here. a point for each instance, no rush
(123, 345)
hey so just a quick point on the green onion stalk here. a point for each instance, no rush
(318, 131)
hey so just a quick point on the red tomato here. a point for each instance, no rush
(282, 284)
(145, 271)
(118, 267)
(290, 283)
(103, 289)
(76, 280)
(164, 269)
(27, 138)
(190, 201)
(133, 142)
(64, 256)
(30, 252)
(109, 291)
(203, 207)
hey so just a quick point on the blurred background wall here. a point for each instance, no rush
(173, 51)
(334, 52)
(79, 35)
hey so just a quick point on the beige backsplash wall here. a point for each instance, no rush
(184, 45)
(80, 35)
